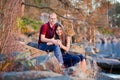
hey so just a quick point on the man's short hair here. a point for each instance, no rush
(54, 14)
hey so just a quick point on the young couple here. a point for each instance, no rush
(52, 37)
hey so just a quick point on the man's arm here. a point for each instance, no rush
(43, 39)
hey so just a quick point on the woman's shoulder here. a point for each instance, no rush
(68, 37)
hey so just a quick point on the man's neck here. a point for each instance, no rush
(51, 25)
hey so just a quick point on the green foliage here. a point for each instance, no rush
(105, 30)
(21, 25)
(37, 1)
(26, 23)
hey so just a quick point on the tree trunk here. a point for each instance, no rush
(10, 11)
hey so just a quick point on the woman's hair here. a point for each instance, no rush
(63, 36)
(60, 25)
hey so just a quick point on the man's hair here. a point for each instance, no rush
(52, 13)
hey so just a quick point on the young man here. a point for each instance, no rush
(46, 35)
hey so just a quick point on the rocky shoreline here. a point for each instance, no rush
(43, 66)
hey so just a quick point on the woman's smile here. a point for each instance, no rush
(59, 31)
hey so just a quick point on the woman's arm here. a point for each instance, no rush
(67, 47)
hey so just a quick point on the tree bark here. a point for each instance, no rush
(11, 10)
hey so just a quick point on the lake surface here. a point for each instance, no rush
(114, 76)
(111, 49)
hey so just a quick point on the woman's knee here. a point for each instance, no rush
(81, 57)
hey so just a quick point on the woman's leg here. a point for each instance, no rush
(82, 63)
(70, 59)
(67, 61)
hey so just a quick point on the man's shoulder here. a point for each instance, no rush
(45, 24)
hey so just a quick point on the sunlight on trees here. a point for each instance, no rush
(88, 14)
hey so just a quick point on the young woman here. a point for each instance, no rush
(64, 43)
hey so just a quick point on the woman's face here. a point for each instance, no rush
(59, 31)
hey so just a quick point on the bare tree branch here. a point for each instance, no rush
(46, 7)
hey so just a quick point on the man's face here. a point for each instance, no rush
(52, 19)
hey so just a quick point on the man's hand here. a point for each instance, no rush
(49, 43)
(54, 41)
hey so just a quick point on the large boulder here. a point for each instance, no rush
(108, 64)
(27, 75)
(46, 62)
(33, 44)
(11, 61)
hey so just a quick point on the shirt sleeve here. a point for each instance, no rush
(43, 29)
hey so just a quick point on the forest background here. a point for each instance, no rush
(88, 17)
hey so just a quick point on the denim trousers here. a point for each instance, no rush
(72, 59)
(55, 48)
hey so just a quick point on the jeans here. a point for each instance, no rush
(55, 48)
(72, 59)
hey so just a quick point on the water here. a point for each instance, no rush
(110, 49)
(114, 76)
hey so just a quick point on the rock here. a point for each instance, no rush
(15, 60)
(2, 57)
(34, 52)
(100, 76)
(77, 49)
(38, 75)
(27, 75)
(90, 50)
(108, 64)
(33, 44)
(46, 62)
(68, 28)
(73, 70)
(58, 78)
(96, 50)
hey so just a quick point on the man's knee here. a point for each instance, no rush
(56, 46)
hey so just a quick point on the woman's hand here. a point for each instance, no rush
(60, 43)
(54, 41)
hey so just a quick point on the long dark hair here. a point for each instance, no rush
(63, 36)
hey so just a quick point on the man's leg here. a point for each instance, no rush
(58, 54)
(56, 49)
